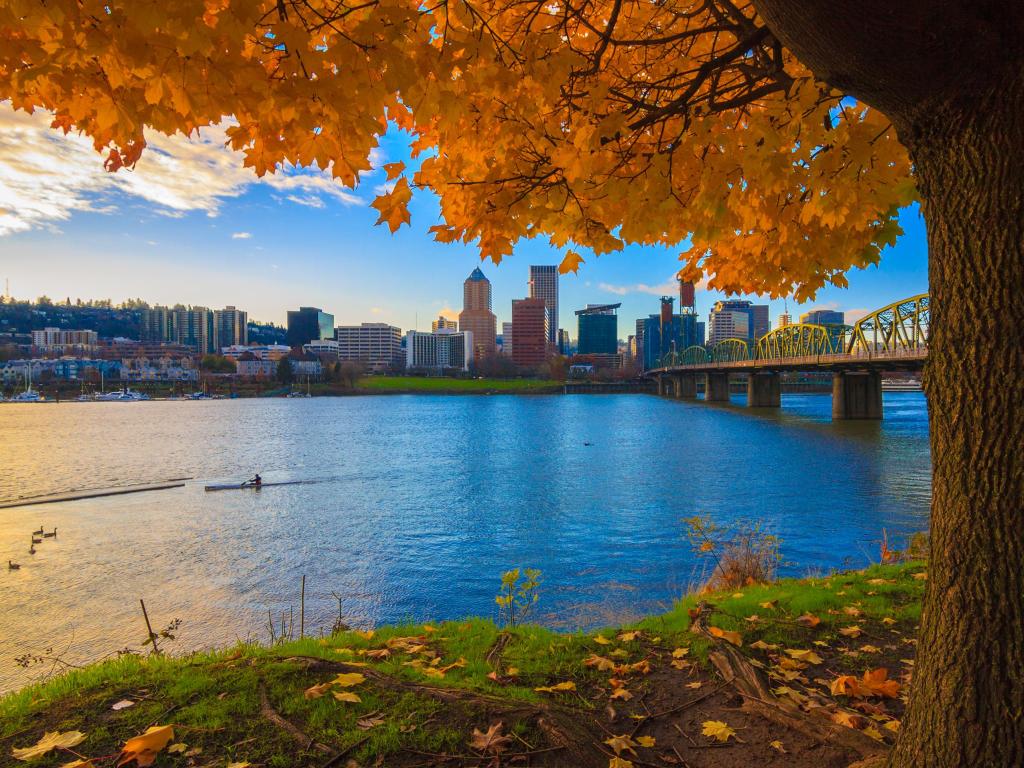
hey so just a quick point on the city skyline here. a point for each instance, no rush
(298, 239)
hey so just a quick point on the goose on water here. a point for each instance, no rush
(12, 566)
(39, 532)
(32, 549)
(51, 535)
(36, 541)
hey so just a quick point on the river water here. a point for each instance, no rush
(420, 503)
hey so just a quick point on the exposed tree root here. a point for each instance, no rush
(561, 727)
(290, 728)
(752, 685)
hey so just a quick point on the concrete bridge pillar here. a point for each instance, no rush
(857, 395)
(661, 385)
(686, 386)
(764, 390)
(716, 387)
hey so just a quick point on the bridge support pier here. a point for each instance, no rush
(686, 386)
(716, 387)
(661, 385)
(764, 390)
(857, 395)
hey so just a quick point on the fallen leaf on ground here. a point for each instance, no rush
(366, 634)
(920, 576)
(728, 635)
(753, 618)
(123, 704)
(681, 664)
(347, 696)
(870, 649)
(144, 749)
(768, 604)
(368, 722)
(717, 730)
(875, 682)
(678, 653)
(888, 621)
(892, 725)
(761, 645)
(603, 664)
(239, 765)
(850, 720)
(645, 741)
(602, 640)
(695, 685)
(569, 685)
(620, 744)
(777, 746)
(628, 637)
(621, 693)
(52, 740)
(490, 741)
(316, 691)
(175, 749)
(801, 655)
(618, 762)
(852, 610)
(808, 620)
(79, 764)
(852, 631)
(348, 679)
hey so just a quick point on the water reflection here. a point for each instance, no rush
(423, 501)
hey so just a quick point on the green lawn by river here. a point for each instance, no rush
(443, 384)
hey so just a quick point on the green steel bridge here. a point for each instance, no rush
(893, 338)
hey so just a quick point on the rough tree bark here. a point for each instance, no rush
(950, 75)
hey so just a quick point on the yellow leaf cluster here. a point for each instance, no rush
(535, 123)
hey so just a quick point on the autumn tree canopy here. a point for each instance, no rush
(595, 123)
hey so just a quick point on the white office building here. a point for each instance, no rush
(375, 345)
(440, 350)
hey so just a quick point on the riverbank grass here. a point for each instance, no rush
(468, 693)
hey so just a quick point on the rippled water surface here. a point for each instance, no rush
(420, 503)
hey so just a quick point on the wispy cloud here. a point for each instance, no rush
(46, 177)
(241, 235)
(853, 315)
(668, 288)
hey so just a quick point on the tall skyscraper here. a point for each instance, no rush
(639, 336)
(785, 319)
(308, 324)
(598, 330)
(230, 327)
(530, 321)
(476, 316)
(544, 285)
(738, 320)
(687, 296)
(443, 322)
(506, 339)
(564, 342)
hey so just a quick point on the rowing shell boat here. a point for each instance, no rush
(247, 486)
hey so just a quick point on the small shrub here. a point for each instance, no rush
(743, 552)
(516, 598)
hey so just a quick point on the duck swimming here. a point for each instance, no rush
(12, 566)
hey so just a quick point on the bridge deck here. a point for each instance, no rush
(899, 360)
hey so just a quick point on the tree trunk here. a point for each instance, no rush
(951, 77)
(967, 700)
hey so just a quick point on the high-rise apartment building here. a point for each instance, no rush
(193, 327)
(823, 317)
(155, 324)
(443, 322)
(55, 339)
(785, 319)
(375, 345)
(476, 316)
(544, 285)
(639, 337)
(530, 321)
(230, 327)
(762, 324)
(440, 350)
(598, 330)
(307, 324)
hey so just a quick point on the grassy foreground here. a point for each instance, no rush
(467, 693)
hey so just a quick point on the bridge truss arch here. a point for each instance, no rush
(695, 355)
(900, 327)
(730, 351)
(802, 340)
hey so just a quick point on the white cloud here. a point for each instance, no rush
(241, 235)
(853, 315)
(46, 176)
(668, 288)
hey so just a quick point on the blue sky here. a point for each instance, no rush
(191, 226)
